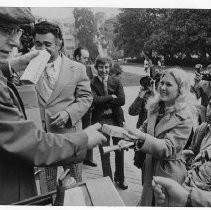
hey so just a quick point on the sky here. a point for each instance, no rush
(66, 12)
(110, 3)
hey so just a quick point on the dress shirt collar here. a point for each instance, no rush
(101, 79)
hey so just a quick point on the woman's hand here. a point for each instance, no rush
(135, 132)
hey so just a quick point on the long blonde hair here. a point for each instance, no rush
(185, 97)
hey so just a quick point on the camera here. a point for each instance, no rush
(146, 82)
(198, 67)
(206, 76)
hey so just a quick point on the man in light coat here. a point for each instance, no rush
(22, 145)
(64, 91)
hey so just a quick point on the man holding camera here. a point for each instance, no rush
(202, 88)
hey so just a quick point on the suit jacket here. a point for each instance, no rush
(102, 102)
(86, 119)
(72, 93)
(23, 146)
(163, 146)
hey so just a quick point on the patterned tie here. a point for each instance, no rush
(50, 75)
(105, 86)
(48, 81)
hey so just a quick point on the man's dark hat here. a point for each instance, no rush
(16, 15)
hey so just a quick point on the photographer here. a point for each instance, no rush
(138, 106)
(202, 88)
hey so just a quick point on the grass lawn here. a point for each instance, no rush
(129, 79)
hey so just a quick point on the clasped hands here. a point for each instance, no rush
(126, 134)
(132, 134)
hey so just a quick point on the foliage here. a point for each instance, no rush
(170, 32)
(86, 30)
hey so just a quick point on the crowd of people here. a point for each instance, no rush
(172, 139)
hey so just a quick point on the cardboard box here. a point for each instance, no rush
(93, 192)
(29, 97)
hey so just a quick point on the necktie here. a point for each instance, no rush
(48, 81)
(50, 75)
(105, 87)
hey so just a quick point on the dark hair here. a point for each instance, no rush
(77, 52)
(45, 27)
(103, 60)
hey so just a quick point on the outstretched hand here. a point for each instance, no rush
(177, 195)
(138, 134)
(94, 136)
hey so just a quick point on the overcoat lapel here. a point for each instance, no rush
(98, 86)
(166, 123)
(64, 78)
(151, 123)
(40, 89)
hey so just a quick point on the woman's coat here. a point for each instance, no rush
(163, 146)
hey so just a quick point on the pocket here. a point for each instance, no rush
(171, 169)
(164, 169)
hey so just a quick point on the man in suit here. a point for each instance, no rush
(109, 96)
(22, 145)
(64, 91)
(81, 55)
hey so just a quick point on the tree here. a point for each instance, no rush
(167, 31)
(86, 30)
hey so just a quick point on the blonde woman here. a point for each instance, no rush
(165, 132)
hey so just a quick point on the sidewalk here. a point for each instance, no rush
(132, 195)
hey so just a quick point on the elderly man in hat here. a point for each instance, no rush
(22, 145)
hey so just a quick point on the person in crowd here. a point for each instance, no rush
(116, 71)
(81, 55)
(138, 107)
(109, 96)
(199, 174)
(146, 64)
(178, 195)
(64, 92)
(202, 90)
(165, 132)
(195, 190)
(22, 145)
(159, 63)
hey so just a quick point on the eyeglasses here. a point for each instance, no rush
(12, 31)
